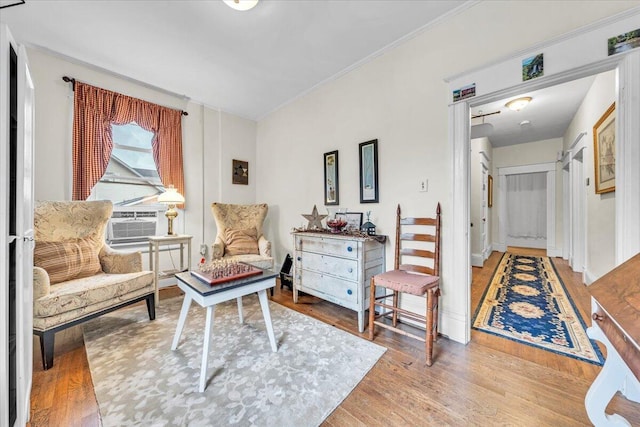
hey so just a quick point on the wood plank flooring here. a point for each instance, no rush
(490, 381)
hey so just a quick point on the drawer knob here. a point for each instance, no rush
(350, 270)
(349, 249)
(299, 258)
(598, 317)
(349, 292)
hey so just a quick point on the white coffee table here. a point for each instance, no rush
(209, 295)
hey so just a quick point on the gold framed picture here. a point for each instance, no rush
(604, 151)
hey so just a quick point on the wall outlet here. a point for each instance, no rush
(203, 249)
(423, 185)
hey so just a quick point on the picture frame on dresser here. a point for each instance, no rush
(331, 189)
(354, 220)
(369, 171)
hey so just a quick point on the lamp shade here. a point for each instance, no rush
(171, 196)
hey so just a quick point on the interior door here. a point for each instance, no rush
(578, 210)
(16, 231)
(485, 213)
(24, 235)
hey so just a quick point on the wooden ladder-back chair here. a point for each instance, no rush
(412, 279)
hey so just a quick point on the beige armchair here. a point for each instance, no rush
(240, 235)
(76, 276)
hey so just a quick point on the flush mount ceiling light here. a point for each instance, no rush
(519, 103)
(484, 129)
(241, 5)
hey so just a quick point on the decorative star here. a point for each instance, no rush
(315, 219)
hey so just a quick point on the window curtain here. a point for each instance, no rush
(527, 205)
(95, 110)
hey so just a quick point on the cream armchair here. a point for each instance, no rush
(76, 276)
(240, 235)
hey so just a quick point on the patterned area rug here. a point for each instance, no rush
(139, 381)
(527, 302)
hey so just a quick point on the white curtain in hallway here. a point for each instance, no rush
(527, 205)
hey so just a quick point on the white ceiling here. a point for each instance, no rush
(246, 63)
(549, 113)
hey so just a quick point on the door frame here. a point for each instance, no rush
(627, 233)
(550, 170)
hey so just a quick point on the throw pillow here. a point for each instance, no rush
(241, 242)
(67, 260)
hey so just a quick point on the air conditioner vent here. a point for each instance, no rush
(133, 229)
(147, 214)
(123, 214)
(131, 225)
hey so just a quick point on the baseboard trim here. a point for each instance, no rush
(554, 252)
(477, 260)
(588, 277)
(487, 252)
(454, 326)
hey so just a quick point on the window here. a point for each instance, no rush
(131, 178)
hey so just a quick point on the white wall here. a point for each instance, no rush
(545, 151)
(600, 241)
(401, 99)
(211, 138)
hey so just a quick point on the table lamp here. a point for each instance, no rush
(172, 198)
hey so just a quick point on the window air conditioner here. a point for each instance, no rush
(132, 225)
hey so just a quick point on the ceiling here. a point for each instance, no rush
(549, 114)
(246, 63)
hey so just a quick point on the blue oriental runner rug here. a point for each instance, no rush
(527, 302)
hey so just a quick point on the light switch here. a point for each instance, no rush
(423, 185)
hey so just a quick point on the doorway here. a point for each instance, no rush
(627, 225)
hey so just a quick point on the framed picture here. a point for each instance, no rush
(240, 172)
(532, 67)
(369, 171)
(604, 151)
(490, 191)
(331, 193)
(354, 220)
(624, 42)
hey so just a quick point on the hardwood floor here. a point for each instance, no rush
(490, 381)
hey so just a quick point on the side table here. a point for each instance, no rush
(154, 257)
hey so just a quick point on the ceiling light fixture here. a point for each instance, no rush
(241, 5)
(519, 103)
(484, 129)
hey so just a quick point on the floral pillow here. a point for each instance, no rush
(241, 242)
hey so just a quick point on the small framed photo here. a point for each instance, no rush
(624, 42)
(331, 192)
(369, 171)
(354, 220)
(240, 172)
(604, 151)
(533, 67)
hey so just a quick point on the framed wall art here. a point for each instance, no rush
(240, 172)
(331, 191)
(354, 220)
(369, 171)
(604, 151)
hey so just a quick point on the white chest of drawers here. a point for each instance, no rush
(337, 268)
